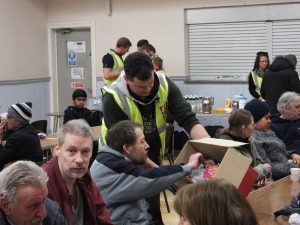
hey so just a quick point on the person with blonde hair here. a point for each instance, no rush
(215, 202)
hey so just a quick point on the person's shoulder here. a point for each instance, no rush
(54, 214)
(107, 56)
(49, 167)
(69, 108)
(3, 220)
(24, 132)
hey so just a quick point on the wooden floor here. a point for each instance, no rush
(171, 218)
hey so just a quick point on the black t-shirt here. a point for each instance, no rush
(108, 61)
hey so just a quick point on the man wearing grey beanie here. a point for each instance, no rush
(21, 140)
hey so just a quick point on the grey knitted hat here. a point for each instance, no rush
(22, 112)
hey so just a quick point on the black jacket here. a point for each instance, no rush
(288, 131)
(279, 79)
(93, 118)
(22, 144)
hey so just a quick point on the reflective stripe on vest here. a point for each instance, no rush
(118, 65)
(128, 105)
(257, 80)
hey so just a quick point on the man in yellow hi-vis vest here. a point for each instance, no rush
(142, 96)
(113, 62)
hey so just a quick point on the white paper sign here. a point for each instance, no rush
(76, 46)
(77, 73)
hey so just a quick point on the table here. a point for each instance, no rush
(214, 113)
(50, 140)
(56, 116)
(267, 200)
(214, 118)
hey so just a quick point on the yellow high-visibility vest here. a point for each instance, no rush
(127, 104)
(118, 65)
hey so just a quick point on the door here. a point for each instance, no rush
(73, 64)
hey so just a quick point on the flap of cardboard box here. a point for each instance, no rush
(233, 167)
(211, 148)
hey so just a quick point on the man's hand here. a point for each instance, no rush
(195, 160)
(296, 159)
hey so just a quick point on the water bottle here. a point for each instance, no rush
(242, 101)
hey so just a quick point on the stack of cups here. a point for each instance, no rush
(295, 174)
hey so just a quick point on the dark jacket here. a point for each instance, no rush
(95, 212)
(93, 118)
(125, 185)
(279, 79)
(21, 144)
(177, 106)
(54, 216)
(288, 131)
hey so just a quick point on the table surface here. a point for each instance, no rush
(271, 198)
(50, 140)
(214, 113)
(58, 114)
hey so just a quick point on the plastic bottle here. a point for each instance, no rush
(242, 101)
(199, 101)
(193, 104)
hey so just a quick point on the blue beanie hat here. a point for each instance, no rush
(257, 108)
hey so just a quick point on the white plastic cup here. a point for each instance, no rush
(295, 174)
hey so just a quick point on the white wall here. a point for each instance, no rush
(23, 39)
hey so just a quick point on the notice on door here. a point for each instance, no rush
(72, 61)
(74, 48)
(79, 84)
(77, 73)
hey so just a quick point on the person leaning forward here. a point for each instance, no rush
(142, 96)
(70, 183)
(121, 172)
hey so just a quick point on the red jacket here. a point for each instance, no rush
(95, 211)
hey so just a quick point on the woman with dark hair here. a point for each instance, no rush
(281, 78)
(269, 147)
(213, 202)
(261, 65)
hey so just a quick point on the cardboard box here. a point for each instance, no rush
(233, 166)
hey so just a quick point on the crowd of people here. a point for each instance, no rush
(119, 181)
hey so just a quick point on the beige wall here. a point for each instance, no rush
(23, 39)
(23, 25)
(161, 22)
